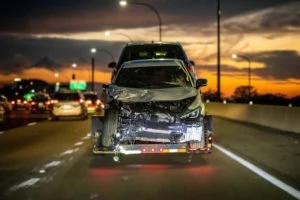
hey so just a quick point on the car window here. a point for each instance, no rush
(67, 96)
(153, 77)
(40, 98)
(92, 97)
(137, 52)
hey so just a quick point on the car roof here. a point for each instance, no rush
(152, 43)
(89, 93)
(68, 92)
(152, 62)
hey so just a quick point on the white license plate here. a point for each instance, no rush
(67, 107)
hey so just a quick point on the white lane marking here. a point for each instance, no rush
(31, 124)
(26, 184)
(292, 191)
(86, 137)
(2, 132)
(52, 164)
(78, 143)
(68, 152)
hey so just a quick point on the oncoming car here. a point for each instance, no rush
(68, 104)
(153, 107)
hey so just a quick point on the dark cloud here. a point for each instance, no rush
(224, 69)
(279, 65)
(279, 18)
(57, 16)
(22, 53)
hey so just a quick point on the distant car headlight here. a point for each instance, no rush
(192, 114)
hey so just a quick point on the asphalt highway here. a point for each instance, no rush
(53, 160)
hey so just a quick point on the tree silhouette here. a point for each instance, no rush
(241, 93)
(211, 95)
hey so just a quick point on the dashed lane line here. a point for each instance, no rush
(31, 124)
(26, 184)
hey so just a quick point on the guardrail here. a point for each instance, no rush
(284, 118)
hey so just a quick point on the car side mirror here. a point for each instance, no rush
(192, 62)
(201, 82)
(112, 65)
(105, 86)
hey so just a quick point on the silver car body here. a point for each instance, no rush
(68, 104)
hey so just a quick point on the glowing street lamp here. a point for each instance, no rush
(108, 33)
(56, 75)
(124, 3)
(93, 50)
(235, 56)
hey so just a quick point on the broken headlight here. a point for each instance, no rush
(192, 114)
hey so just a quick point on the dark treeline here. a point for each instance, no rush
(241, 95)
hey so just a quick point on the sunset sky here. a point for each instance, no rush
(39, 38)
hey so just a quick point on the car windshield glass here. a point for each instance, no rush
(137, 52)
(67, 96)
(40, 98)
(153, 77)
(92, 97)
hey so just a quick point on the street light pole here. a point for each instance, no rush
(219, 51)
(124, 3)
(74, 65)
(235, 56)
(93, 51)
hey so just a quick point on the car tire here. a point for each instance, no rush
(109, 128)
(53, 118)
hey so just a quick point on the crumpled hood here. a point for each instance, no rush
(132, 95)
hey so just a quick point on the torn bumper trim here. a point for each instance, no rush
(150, 149)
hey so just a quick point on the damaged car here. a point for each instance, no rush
(153, 106)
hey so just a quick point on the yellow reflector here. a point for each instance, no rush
(181, 150)
(165, 150)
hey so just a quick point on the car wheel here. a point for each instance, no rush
(53, 118)
(109, 128)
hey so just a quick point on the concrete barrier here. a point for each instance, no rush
(279, 117)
